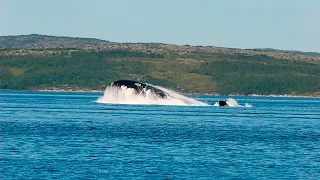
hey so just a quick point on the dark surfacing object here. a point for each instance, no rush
(139, 87)
(223, 103)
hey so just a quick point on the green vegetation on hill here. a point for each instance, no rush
(42, 41)
(194, 72)
(312, 54)
(33, 62)
(261, 74)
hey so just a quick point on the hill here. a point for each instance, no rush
(313, 54)
(35, 41)
(190, 69)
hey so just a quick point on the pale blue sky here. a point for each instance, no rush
(280, 24)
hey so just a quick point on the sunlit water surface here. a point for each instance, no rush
(71, 136)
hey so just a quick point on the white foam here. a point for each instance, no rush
(124, 95)
(247, 105)
(233, 103)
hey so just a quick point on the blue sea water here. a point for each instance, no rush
(46, 135)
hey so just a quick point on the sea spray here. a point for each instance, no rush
(233, 103)
(124, 95)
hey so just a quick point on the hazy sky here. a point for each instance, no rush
(281, 24)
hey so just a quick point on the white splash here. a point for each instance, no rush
(233, 103)
(124, 95)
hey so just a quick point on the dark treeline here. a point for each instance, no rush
(80, 69)
(261, 74)
(238, 73)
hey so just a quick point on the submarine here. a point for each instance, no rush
(139, 87)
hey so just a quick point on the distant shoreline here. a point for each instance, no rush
(195, 94)
(68, 90)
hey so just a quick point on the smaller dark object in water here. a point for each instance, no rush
(139, 87)
(223, 103)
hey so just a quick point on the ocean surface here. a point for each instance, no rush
(51, 135)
